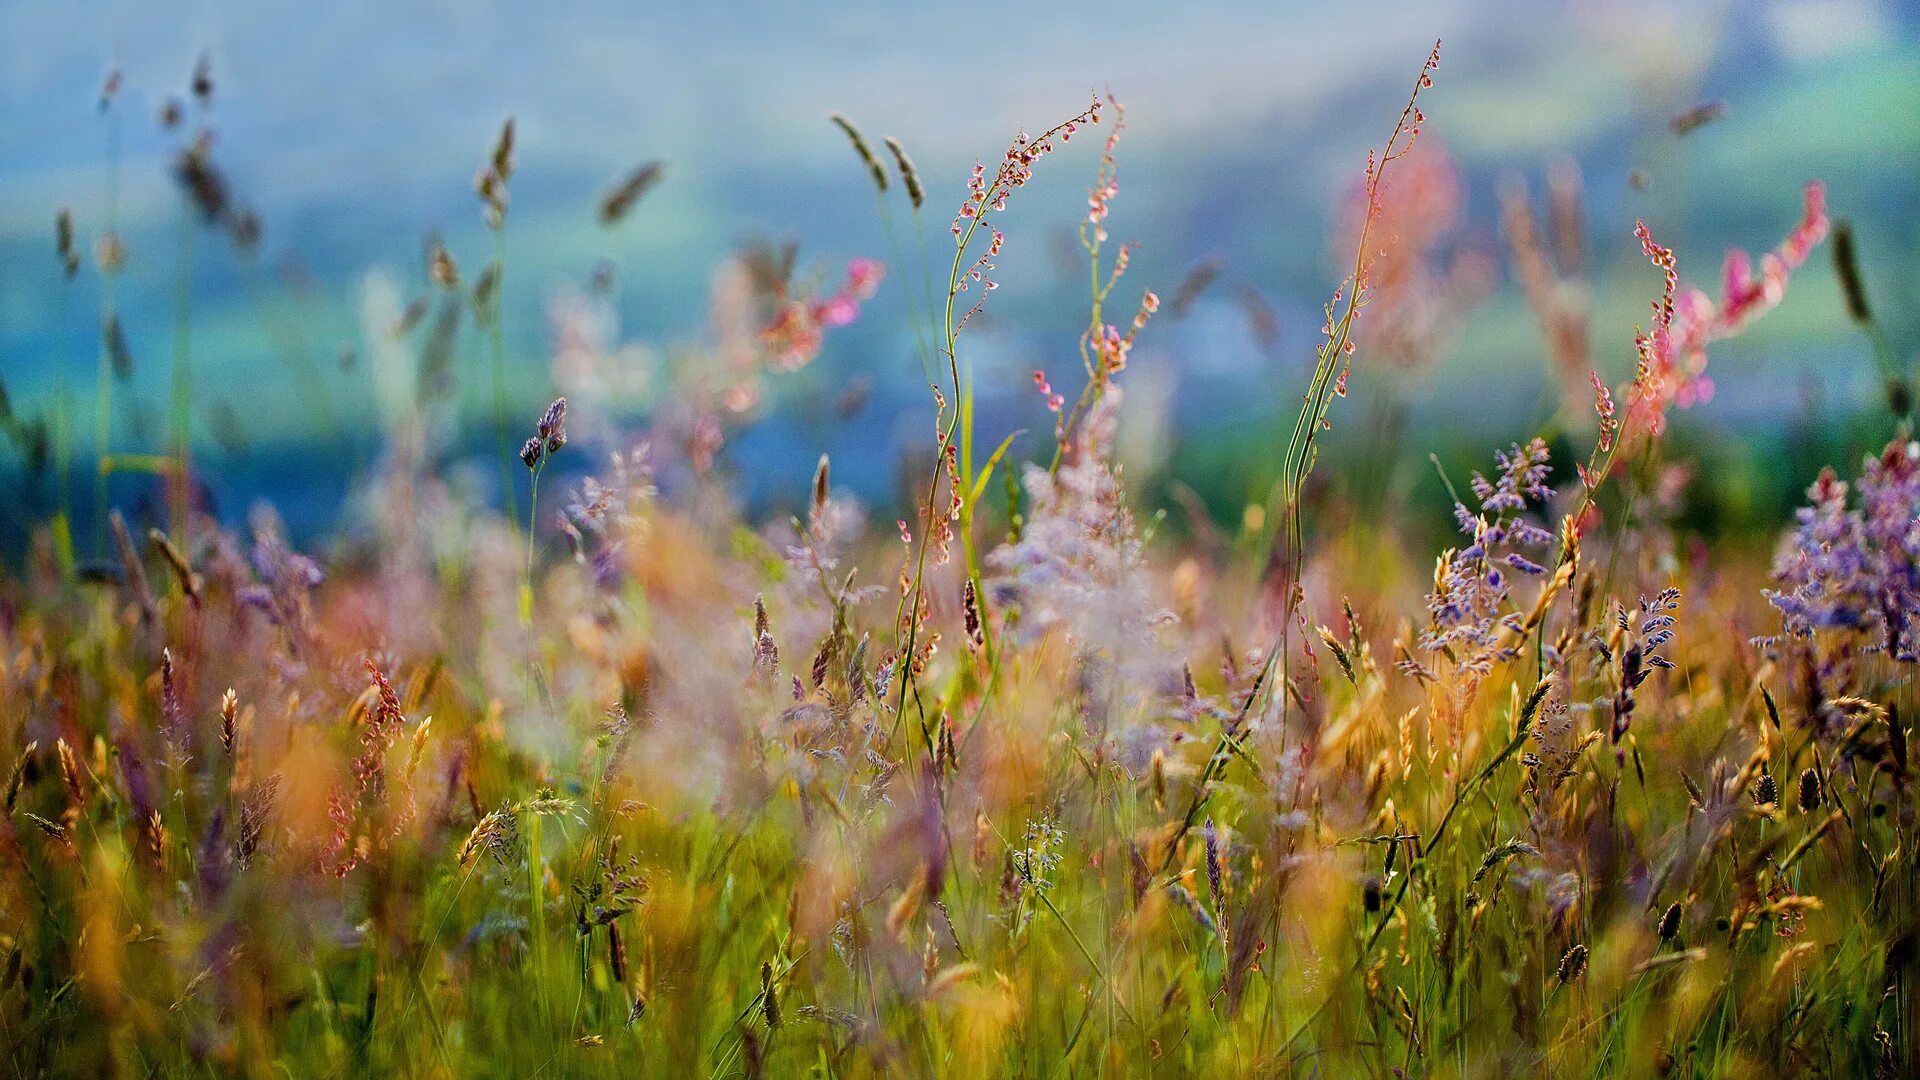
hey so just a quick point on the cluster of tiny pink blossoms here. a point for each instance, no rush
(1673, 355)
(1107, 184)
(1603, 408)
(1054, 400)
(981, 273)
(1112, 346)
(1016, 168)
(793, 335)
(1338, 330)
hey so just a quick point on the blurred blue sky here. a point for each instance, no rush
(354, 128)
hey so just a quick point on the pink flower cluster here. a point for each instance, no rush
(1107, 184)
(794, 334)
(1112, 346)
(1016, 168)
(1673, 357)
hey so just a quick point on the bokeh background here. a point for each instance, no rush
(355, 129)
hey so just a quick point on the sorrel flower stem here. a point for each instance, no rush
(1330, 370)
(985, 198)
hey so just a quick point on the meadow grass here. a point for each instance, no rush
(1018, 786)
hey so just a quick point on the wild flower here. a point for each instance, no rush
(286, 578)
(1470, 618)
(986, 195)
(600, 516)
(1673, 356)
(1078, 563)
(1642, 636)
(793, 336)
(1419, 293)
(1855, 569)
(1551, 272)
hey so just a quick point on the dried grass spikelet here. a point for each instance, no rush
(182, 571)
(1669, 959)
(202, 84)
(1572, 965)
(441, 267)
(946, 979)
(113, 339)
(901, 914)
(1741, 780)
(485, 835)
(1846, 267)
(1787, 966)
(909, 176)
(1808, 796)
(18, 774)
(63, 243)
(229, 714)
(1669, 925)
(621, 197)
(982, 847)
(867, 156)
(75, 782)
(130, 564)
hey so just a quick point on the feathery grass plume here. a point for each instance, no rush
(817, 507)
(909, 176)
(1216, 895)
(867, 156)
(621, 197)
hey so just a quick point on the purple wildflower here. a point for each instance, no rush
(1468, 605)
(1857, 570)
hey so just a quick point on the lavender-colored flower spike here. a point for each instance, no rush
(553, 425)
